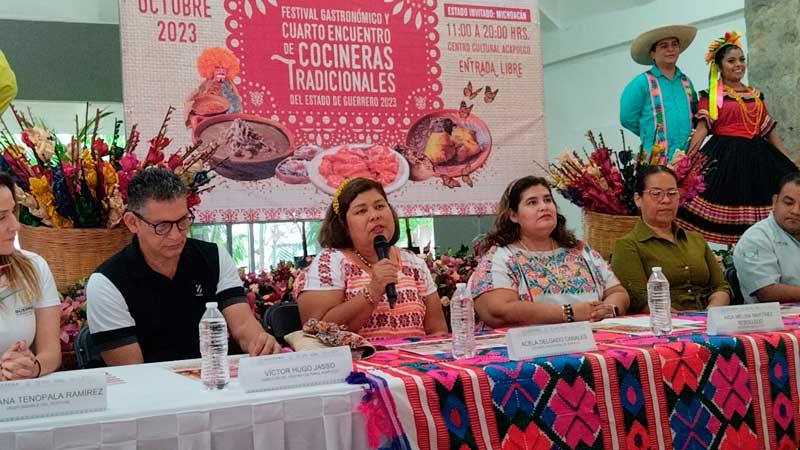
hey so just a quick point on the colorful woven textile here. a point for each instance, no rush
(687, 391)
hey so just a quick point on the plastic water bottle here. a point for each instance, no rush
(214, 348)
(659, 301)
(462, 321)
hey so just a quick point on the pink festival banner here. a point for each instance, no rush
(439, 101)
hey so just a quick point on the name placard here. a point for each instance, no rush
(288, 370)
(54, 395)
(547, 340)
(744, 318)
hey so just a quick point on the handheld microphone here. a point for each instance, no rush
(381, 246)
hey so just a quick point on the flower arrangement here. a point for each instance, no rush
(268, 287)
(263, 289)
(450, 268)
(83, 184)
(73, 314)
(604, 181)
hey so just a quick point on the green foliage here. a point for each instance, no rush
(725, 257)
(86, 215)
(26, 218)
(239, 249)
(312, 234)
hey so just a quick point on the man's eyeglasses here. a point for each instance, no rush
(658, 194)
(163, 228)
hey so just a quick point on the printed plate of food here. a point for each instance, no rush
(250, 147)
(294, 169)
(448, 144)
(210, 104)
(378, 162)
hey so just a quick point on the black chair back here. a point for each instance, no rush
(282, 318)
(733, 283)
(86, 355)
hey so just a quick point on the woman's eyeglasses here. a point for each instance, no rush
(658, 194)
(163, 228)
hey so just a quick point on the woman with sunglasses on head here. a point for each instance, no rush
(535, 271)
(695, 277)
(29, 302)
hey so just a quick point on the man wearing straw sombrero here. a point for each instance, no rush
(657, 105)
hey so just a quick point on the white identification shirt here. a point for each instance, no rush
(17, 319)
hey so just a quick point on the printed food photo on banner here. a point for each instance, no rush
(450, 144)
(297, 97)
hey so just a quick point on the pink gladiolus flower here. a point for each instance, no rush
(26, 139)
(129, 162)
(174, 161)
(100, 147)
(67, 335)
(154, 157)
(69, 169)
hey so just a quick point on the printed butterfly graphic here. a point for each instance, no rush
(464, 111)
(488, 95)
(468, 92)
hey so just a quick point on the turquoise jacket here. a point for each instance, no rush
(636, 109)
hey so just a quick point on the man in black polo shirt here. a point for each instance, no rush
(145, 302)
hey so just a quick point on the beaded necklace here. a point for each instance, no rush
(751, 120)
(363, 260)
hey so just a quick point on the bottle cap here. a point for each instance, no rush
(211, 305)
(657, 269)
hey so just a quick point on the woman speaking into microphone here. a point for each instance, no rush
(347, 282)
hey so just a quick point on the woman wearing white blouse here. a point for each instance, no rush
(534, 270)
(29, 302)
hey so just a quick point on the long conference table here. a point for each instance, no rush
(636, 391)
(151, 407)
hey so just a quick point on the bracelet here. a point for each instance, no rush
(368, 297)
(569, 314)
(39, 365)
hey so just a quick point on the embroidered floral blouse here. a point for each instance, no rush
(333, 270)
(561, 276)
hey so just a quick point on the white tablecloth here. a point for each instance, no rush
(156, 409)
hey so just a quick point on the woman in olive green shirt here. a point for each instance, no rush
(695, 277)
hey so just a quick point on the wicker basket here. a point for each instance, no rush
(73, 253)
(601, 231)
